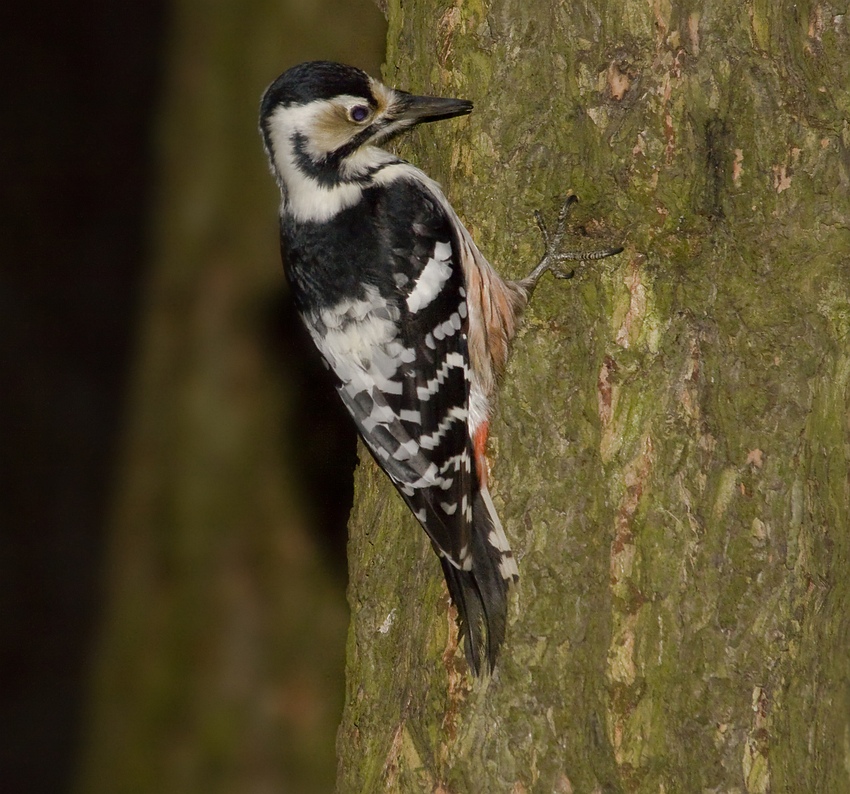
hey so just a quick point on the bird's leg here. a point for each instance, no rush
(553, 255)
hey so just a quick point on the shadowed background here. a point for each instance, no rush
(174, 483)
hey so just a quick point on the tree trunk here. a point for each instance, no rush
(671, 450)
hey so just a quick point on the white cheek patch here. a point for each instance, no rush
(322, 129)
(305, 198)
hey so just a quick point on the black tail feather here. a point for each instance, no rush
(480, 594)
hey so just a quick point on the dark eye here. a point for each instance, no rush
(358, 113)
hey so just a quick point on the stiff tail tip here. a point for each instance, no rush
(481, 593)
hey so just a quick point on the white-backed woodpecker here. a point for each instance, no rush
(410, 317)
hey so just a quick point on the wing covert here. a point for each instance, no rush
(400, 353)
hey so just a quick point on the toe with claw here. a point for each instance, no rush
(553, 255)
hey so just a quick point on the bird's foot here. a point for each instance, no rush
(553, 256)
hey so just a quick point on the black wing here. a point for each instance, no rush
(411, 405)
(398, 344)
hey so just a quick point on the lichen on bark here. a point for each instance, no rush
(671, 448)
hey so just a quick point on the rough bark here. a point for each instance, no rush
(671, 450)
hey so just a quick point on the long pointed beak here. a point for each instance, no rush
(421, 109)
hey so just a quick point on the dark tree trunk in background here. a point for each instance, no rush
(671, 450)
(220, 663)
(72, 250)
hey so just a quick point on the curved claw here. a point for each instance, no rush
(565, 208)
(541, 224)
(553, 242)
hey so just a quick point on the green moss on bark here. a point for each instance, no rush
(671, 447)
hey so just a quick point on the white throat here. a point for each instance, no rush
(302, 196)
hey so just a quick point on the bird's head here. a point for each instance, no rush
(324, 121)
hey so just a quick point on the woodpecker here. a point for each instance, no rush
(410, 317)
